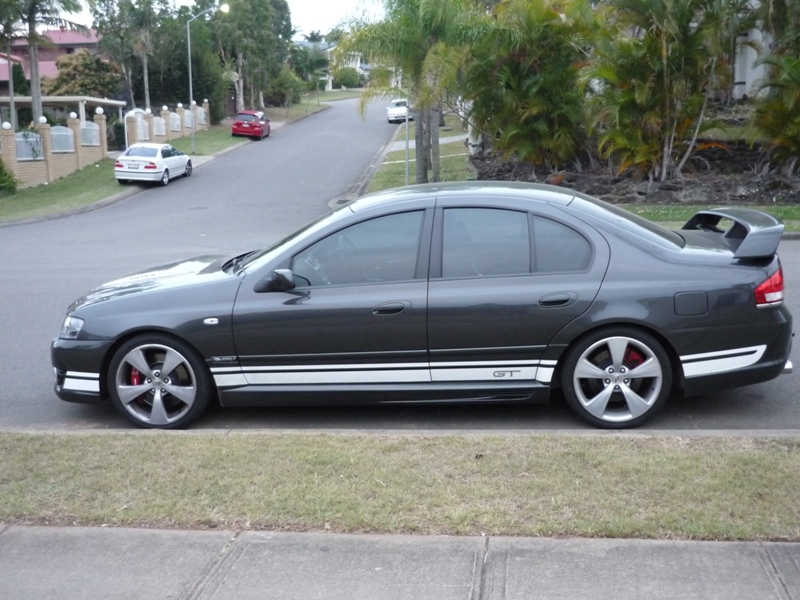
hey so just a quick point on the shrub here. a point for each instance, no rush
(8, 183)
(345, 77)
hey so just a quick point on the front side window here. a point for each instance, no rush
(485, 242)
(384, 249)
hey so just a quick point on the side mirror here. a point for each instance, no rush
(282, 280)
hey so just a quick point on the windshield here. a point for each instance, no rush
(321, 222)
(396, 103)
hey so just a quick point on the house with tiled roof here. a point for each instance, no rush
(63, 42)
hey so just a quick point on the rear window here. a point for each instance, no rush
(247, 118)
(629, 221)
(147, 152)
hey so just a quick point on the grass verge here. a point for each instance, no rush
(453, 166)
(643, 487)
(82, 188)
(294, 112)
(208, 142)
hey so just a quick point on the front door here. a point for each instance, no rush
(357, 315)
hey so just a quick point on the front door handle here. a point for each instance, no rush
(390, 308)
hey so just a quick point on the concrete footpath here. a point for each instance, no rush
(65, 563)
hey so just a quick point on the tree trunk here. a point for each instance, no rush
(419, 140)
(36, 84)
(437, 116)
(146, 77)
(12, 117)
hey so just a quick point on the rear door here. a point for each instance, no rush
(504, 280)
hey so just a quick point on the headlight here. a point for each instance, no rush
(71, 328)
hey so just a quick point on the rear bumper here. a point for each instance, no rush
(149, 175)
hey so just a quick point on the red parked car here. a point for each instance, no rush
(252, 123)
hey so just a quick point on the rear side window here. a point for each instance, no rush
(485, 242)
(557, 248)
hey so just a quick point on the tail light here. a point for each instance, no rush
(770, 291)
(150, 165)
(119, 165)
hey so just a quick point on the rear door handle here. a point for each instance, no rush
(558, 299)
(391, 308)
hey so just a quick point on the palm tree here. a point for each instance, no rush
(409, 43)
(10, 30)
(522, 80)
(48, 13)
(648, 81)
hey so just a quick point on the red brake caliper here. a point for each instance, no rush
(135, 379)
(633, 358)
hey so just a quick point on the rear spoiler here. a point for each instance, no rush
(754, 234)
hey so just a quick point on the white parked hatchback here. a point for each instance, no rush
(151, 162)
(396, 111)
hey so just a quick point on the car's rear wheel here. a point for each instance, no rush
(158, 382)
(616, 378)
(188, 171)
(165, 177)
(122, 181)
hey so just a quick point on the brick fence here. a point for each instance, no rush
(46, 165)
(174, 128)
(42, 163)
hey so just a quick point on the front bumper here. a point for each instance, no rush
(78, 366)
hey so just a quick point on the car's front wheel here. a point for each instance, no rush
(159, 382)
(616, 378)
(188, 171)
(165, 177)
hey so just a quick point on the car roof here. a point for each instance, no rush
(465, 189)
(147, 145)
(249, 112)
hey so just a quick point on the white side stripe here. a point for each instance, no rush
(81, 385)
(708, 363)
(83, 375)
(498, 373)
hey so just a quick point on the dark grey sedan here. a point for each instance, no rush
(458, 293)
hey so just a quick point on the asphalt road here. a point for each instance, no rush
(243, 200)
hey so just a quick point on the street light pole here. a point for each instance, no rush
(224, 8)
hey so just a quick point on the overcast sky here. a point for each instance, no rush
(324, 15)
(307, 15)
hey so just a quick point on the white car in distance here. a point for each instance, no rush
(151, 162)
(397, 110)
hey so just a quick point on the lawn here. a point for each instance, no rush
(526, 485)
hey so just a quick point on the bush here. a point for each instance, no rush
(8, 183)
(118, 139)
(346, 77)
(286, 88)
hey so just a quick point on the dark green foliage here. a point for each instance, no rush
(523, 83)
(778, 115)
(21, 85)
(83, 74)
(345, 77)
(8, 183)
(286, 88)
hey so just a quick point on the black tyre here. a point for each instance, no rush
(188, 171)
(165, 178)
(159, 382)
(122, 181)
(616, 378)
